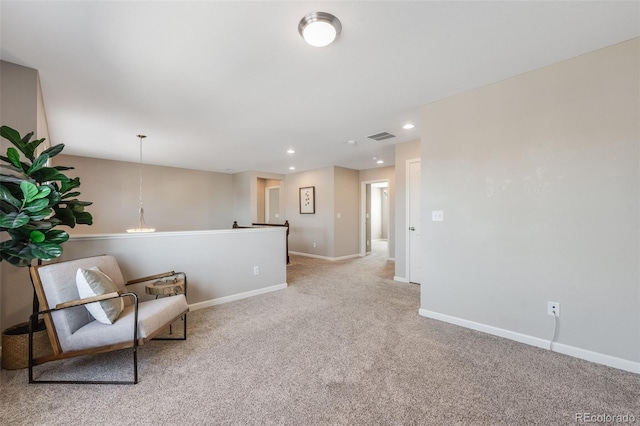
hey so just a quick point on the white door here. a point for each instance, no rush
(414, 229)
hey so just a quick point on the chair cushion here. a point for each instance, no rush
(152, 316)
(93, 282)
(59, 285)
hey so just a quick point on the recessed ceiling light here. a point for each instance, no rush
(292, 168)
(408, 126)
(319, 29)
(291, 151)
(351, 142)
(380, 161)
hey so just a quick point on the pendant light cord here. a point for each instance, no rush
(140, 166)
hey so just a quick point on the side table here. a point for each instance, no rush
(168, 286)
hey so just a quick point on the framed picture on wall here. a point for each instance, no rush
(308, 200)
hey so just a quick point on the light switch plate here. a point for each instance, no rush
(437, 215)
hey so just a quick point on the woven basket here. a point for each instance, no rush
(15, 345)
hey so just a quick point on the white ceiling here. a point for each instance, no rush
(230, 86)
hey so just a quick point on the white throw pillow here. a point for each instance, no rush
(94, 282)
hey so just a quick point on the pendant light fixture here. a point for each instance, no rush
(142, 227)
(319, 29)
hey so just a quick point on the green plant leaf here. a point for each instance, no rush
(14, 157)
(55, 150)
(29, 191)
(76, 205)
(18, 234)
(37, 216)
(43, 192)
(13, 220)
(36, 237)
(32, 146)
(48, 174)
(65, 216)
(69, 185)
(46, 251)
(5, 195)
(17, 257)
(21, 144)
(83, 218)
(70, 194)
(10, 166)
(56, 236)
(36, 205)
(11, 179)
(39, 224)
(38, 164)
(10, 134)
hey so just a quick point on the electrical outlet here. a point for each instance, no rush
(256, 270)
(553, 309)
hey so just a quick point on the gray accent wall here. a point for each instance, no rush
(538, 178)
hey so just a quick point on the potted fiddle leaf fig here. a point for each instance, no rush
(35, 198)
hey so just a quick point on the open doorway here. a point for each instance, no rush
(269, 201)
(375, 219)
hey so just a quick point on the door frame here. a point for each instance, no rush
(266, 201)
(363, 213)
(407, 221)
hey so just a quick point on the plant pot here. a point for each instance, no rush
(15, 345)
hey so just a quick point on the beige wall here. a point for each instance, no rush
(306, 229)
(18, 110)
(19, 96)
(404, 152)
(174, 199)
(538, 178)
(346, 211)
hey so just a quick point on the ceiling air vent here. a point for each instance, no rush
(381, 136)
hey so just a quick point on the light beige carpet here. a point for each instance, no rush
(342, 345)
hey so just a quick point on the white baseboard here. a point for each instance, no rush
(608, 360)
(331, 259)
(401, 279)
(234, 297)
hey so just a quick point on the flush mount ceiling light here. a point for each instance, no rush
(142, 227)
(408, 126)
(291, 151)
(319, 28)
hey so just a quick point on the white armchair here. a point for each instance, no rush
(73, 331)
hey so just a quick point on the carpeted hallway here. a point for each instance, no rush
(344, 344)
